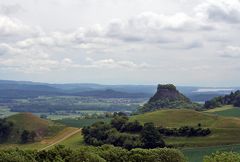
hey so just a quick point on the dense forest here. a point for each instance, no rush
(232, 99)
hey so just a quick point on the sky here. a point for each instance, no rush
(184, 42)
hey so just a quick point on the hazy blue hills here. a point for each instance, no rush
(23, 89)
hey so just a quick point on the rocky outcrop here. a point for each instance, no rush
(167, 96)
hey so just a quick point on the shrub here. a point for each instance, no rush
(223, 157)
(156, 155)
(105, 153)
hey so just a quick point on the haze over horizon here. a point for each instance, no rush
(184, 42)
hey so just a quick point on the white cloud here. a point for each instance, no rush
(179, 41)
(13, 27)
(111, 63)
(231, 52)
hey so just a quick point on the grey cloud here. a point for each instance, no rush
(220, 11)
(10, 9)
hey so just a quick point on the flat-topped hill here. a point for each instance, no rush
(167, 96)
(170, 92)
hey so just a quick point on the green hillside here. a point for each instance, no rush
(225, 130)
(30, 122)
(228, 111)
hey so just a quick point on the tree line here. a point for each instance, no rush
(185, 131)
(105, 153)
(123, 133)
(232, 99)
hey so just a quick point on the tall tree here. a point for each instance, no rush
(151, 137)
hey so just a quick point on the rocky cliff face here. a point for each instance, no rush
(167, 96)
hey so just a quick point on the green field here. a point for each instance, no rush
(228, 111)
(74, 142)
(225, 130)
(197, 154)
(79, 123)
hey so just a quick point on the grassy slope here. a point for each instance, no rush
(183, 117)
(228, 111)
(44, 143)
(224, 130)
(28, 121)
(223, 108)
(73, 142)
(197, 154)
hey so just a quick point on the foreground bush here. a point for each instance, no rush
(223, 157)
(105, 153)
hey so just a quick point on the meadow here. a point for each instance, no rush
(196, 154)
(228, 111)
(225, 130)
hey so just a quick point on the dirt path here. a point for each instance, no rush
(60, 140)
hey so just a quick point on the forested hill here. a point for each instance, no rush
(167, 96)
(232, 99)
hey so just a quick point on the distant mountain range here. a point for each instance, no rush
(25, 89)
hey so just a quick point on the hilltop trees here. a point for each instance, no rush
(231, 99)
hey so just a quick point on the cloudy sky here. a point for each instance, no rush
(185, 42)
